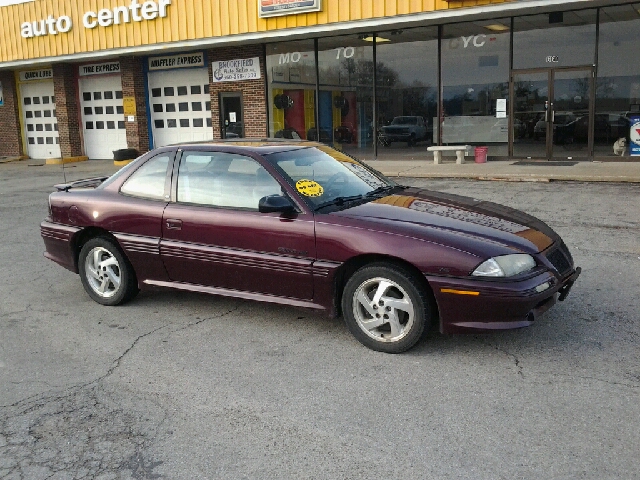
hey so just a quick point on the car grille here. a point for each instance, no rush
(560, 258)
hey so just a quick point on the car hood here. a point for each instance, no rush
(464, 221)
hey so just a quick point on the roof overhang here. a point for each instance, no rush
(437, 17)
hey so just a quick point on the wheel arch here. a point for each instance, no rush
(351, 266)
(86, 234)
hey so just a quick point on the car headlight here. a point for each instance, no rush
(505, 266)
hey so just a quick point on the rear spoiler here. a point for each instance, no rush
(86, 183)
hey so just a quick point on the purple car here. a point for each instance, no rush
(299, 223)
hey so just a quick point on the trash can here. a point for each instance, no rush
(125, 154)
(481, 154)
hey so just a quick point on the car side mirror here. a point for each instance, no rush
(276, 203)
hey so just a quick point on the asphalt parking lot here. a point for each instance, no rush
(186, 386)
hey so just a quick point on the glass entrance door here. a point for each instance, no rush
(231, 118)
(530, 93)
(552, 113)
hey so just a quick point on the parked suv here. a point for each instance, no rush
(410, 129)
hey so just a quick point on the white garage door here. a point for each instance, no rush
(40, 123)
(102, 116)
(180, 106)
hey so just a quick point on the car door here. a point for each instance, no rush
(213, 234)
(133, 213)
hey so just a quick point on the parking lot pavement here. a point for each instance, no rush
(182, 386)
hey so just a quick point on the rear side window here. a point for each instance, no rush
(149, 180)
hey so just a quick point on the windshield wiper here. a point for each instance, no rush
(383, 189)
(339, 201)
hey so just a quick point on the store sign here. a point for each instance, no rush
(235, 70)
(477, 41)
(1, 95)
(177, 61)
(634, 135)
(272, 8)
(99, 69)
(129, 105)
(31, 75)
(134, 12)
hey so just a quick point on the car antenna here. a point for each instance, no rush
(64, 174)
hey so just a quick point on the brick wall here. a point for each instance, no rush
(10, 135)
(133, 85)
(253, 92)
(65, 86)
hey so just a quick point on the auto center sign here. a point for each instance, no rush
(134, 12)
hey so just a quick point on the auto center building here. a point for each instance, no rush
(539, 79)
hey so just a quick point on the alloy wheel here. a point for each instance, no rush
(383, 309)
(103, 273)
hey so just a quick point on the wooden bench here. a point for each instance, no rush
(459, 149)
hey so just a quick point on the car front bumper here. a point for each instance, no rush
(472, 306)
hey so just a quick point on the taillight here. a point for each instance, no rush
(49, 205)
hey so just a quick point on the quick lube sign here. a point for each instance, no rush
(134, 12)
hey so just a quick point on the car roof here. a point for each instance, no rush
(262, 146)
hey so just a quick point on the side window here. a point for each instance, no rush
(223, 180)
(149, 180)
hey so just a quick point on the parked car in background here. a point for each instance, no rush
(299, 223)
(410, 129)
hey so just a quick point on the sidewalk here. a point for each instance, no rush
(628, 172)
(507, 171)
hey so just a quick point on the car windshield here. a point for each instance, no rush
(404, 121)
(324, 176)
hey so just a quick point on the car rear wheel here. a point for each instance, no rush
(386, 307)
(105, 272)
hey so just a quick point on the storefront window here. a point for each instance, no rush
(407, 90)
(346, 94)
(291, 74)
(475, 85)
(557, 39)
(618, 83)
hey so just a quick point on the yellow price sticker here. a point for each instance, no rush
(309, 188)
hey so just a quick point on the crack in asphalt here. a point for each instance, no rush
(595, 225)
(520, 371)
(84, 431)
(516, 360)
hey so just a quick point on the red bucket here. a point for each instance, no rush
(481, 154)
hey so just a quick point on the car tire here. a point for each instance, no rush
(105, 272)
(395, 320)
(412, 141)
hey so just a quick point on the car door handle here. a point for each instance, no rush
(173, 224)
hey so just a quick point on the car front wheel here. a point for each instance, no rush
(106, 274)
(386, 307)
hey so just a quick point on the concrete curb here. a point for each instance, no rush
(507, 171)
(13, 159)
(512, 177)
(60, 161)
